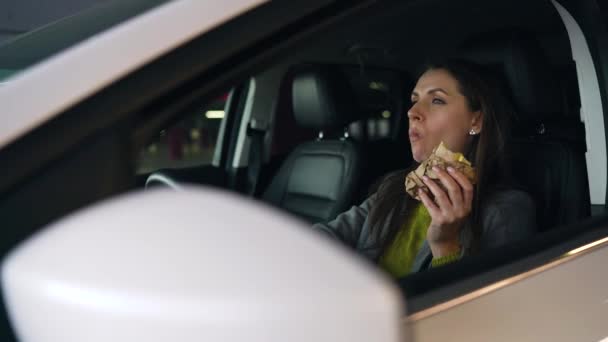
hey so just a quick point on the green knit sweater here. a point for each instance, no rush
(399, 257)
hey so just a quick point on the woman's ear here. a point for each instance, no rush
(477, 122)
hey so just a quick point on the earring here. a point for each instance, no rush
(472, 132)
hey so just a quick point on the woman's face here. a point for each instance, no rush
(440, 113)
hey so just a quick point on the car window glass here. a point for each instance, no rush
(380, 98)
(187, 143)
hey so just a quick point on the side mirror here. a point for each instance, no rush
(199, 264)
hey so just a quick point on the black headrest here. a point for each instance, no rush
(322, 97)
(518, 57)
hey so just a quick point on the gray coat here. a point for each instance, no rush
(507, 216)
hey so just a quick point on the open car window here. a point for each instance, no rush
(382, 80)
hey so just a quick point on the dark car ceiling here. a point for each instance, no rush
(403, 34)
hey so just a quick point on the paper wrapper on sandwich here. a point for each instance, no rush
(441, 157)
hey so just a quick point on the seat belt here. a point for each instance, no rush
(256, 133)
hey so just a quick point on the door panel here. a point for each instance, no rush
(566, 300)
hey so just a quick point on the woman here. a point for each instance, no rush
(454, 102)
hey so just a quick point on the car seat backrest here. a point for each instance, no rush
(319, 178)
(547, 144)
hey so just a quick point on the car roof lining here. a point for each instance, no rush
(386, 36)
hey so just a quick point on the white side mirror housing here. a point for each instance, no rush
(197, 265)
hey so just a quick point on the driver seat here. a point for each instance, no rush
(547, 143)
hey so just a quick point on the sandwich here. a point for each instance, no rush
(441, 157)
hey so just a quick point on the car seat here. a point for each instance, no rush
(319, 178)
(547, 144)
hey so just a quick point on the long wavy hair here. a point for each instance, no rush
(488, 153)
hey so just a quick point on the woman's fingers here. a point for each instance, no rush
(441, 198)
(465, 185)
(454, 189)
(431, 207)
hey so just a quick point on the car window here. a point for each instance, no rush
(380, 97)
(189, 142)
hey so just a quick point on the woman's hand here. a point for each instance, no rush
(448, 210)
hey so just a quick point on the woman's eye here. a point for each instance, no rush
(438, 101)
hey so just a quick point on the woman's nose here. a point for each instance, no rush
(414, 114)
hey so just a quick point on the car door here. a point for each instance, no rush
(90, 149)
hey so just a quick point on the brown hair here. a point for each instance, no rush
(488, 152)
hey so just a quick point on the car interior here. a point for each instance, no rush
(328, 121)
(313, 131)
(332, 134)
